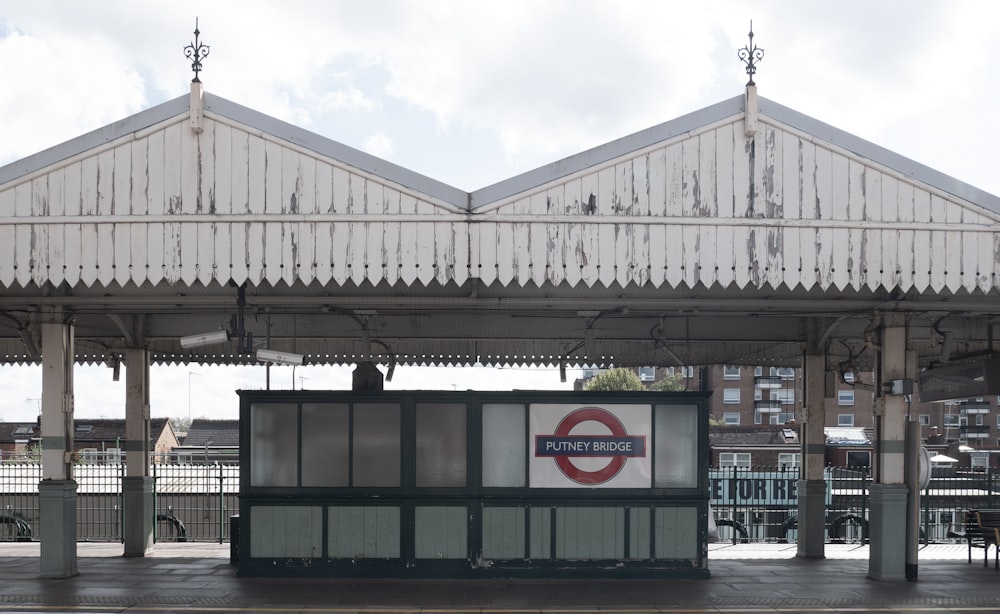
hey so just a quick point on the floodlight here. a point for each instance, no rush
(283, 358)
(193, 341)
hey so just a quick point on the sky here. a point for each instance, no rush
(471, 93)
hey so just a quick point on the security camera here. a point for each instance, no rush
(193, 341)
(282, 358)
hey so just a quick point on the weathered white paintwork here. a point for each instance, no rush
(708, 207)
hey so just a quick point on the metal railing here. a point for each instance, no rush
(193, 502)
(761, 504)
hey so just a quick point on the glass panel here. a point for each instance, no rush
(504, 440)
(274, 452)
(325, 444)
(441, 435)
(376, 444)
(676, 446)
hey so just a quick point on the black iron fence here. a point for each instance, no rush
(193, 502)
(761, 504)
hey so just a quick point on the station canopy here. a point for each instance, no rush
(726, 236)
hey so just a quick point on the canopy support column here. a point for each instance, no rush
(812, 485)
(57, 490)
(137, 486)
(887, 523)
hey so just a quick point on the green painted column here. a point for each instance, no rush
(57, 519)
(812, 487)
(57, 490)
(887, 532)
(137, 486)
(811, 541)
(887, 517)
(137, 501)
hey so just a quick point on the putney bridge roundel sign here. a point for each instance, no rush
(590, 446)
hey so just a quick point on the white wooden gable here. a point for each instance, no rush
(228, 203)
(713, 206)
(720, 212)
(704, 206)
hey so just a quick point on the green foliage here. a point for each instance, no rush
(180, 425)
(615, 379)
(672, 382)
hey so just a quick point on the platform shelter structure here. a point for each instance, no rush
(744, 233)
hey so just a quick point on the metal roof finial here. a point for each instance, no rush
(750, 55)
(196, 52)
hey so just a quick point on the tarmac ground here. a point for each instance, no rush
(745, 578)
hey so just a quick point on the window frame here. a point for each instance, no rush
(735, 459)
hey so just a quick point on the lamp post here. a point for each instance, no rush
(190, 373)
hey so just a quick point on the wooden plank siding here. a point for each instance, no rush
(710, 207)
(715, 208)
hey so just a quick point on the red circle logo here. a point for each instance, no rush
(616, 462)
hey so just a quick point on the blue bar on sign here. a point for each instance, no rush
(590, 445)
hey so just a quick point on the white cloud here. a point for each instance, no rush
(379, 144)
(63, 88)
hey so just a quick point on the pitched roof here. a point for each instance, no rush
(513, 185)
(18, 431)
(215, 433)
(85, 430)
(758, 435)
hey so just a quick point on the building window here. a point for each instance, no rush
(859, 458)
(925, 419)
(788, 460)
(951, 420)
(734, 459)
(758, 371)
(845, 419)
(758, 418)
(758, 394)
(731, 395)
(729, 372)
(647, 374)
(781, 418)
(979, 420)
(845, 397)
(731, 417)
(998, 421)
(785, 372)
(849, 377)
(785, 395)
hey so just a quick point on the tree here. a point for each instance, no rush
(180, 425)
(615, 379)
(672, 382)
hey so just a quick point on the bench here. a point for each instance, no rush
(989, 525)
(971, 533)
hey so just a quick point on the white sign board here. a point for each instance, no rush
(590, 446)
